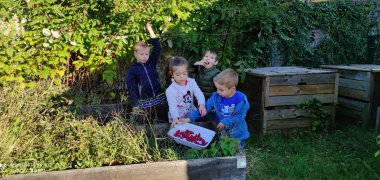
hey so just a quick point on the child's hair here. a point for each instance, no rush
(228, 78)
(140, 45)
(175, 62)
(212, 52)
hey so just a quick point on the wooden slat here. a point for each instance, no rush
(290, 113)
(353, 93)
(352, 104)
(284, 70)
(355, 75)
(278, 114)
(354, 84)
(376, 88)
(231, 167)
(301, 89)
(328, 78)
(346, 114)
(289, 123)
(295, 100)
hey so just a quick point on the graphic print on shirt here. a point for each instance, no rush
(187, 97)
(227, 109)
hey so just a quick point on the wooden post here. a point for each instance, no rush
(377, 119)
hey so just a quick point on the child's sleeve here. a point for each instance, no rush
(198, 93)
(132, 87)
(239, 114)
(209, 106)
(170, 97)
(156, 50)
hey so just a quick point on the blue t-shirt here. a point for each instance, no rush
(227, 105)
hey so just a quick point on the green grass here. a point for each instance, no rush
(342, 154)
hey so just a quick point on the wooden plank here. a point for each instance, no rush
(353, 93)
(291, 113)
(336, 89)
(232, 167)
(376, 88)
(354, 84)
(295, 100)
(354, 67)
(377, 125)
(355, 75)
(277, 114)
(265, 122)
(307, 79)
(289, 123)
(266, 91)
(301, 89)
(333, 125)
(352, 104)
(347, 115)
(284, 70)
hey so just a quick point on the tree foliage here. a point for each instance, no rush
(83, 42)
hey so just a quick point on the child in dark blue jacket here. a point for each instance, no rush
(142, 78)
(230, 105)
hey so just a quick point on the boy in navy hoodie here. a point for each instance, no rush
(142, 78)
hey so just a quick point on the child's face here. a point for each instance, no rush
(142, 55)
(180, 75)
(210, 60)
(224, 91)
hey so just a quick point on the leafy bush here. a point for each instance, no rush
(320, 119)
(38, 134)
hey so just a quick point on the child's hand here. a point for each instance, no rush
(202, 110)
(150, 30)
(176, 122)
(185, 120)
(201, 63)
(220, 126)
(148, 26)
(180, 121)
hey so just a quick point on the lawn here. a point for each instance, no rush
(346, 153)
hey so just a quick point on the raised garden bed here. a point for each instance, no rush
(208, 168)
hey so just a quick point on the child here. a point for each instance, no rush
(142, 78)
(207, 70)
(180, 94)
(230, 105)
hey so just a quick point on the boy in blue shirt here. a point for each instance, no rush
(230, 105)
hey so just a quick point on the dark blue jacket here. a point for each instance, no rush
(142, 79)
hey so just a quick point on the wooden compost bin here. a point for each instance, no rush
(359, 92)
(275, 92)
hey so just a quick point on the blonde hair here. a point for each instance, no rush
(228, 78)
(175, 62)
(140, 45)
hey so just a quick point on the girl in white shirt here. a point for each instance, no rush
(180, 94)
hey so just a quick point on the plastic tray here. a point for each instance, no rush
(206, 134)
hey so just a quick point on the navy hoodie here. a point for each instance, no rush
(142, 79)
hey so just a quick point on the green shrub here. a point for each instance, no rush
(38, 134)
